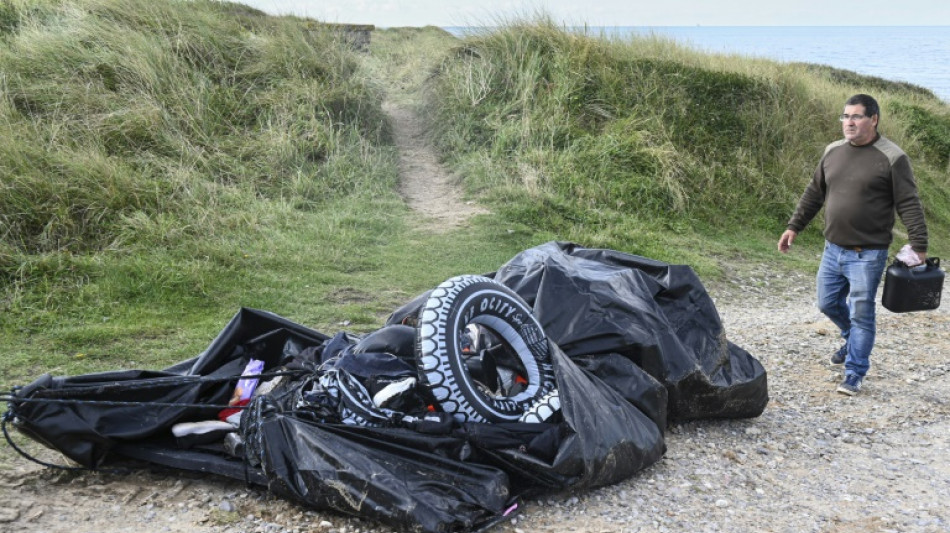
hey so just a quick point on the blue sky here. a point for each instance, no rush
(390, 13)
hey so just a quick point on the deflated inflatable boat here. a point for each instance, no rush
(559, 370)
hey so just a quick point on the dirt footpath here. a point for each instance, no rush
(426, 185)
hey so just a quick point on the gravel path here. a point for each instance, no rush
(814, 461)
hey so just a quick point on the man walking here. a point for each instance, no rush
(861, 181)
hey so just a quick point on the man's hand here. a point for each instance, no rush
(786, 240)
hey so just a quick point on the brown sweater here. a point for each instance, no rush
(861, 187)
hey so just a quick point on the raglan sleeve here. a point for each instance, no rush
(908, 204)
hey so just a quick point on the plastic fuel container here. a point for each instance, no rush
(917, 288)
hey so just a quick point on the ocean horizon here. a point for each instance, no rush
(913, 54)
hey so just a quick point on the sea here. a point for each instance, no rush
(919, 55)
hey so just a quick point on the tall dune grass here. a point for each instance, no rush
(593, 138)
(114, 110)
(144, 137)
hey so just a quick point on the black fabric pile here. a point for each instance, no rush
(635, 344)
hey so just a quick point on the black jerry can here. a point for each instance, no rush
(909, 289)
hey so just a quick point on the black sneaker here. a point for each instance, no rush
(851, 384)
(838, 357)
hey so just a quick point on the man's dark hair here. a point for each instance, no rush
(870, 104)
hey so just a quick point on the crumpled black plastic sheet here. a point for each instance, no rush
(635, 343)
(86, 433)
(594, 303)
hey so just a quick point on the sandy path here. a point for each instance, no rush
(427, 186)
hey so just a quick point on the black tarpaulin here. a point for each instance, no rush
(634, 342)
(376, 474)
(595, 302)
(402, 477)
(86, 432)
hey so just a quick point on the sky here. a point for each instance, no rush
(394, 13)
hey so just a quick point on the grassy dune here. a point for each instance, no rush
(630, 143)
(163, 163)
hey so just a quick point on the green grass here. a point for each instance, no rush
(163, 163)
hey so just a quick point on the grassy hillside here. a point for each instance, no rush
(627, 144)
(163, 163)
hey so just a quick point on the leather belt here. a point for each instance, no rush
(863, 248)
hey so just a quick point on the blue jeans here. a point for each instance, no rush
(847, 285)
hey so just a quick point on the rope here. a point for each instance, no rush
(157, 382)
(12, 399)
(64, 395)
(107, 403)
(6, 435)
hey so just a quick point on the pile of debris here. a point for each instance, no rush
(559, 370)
